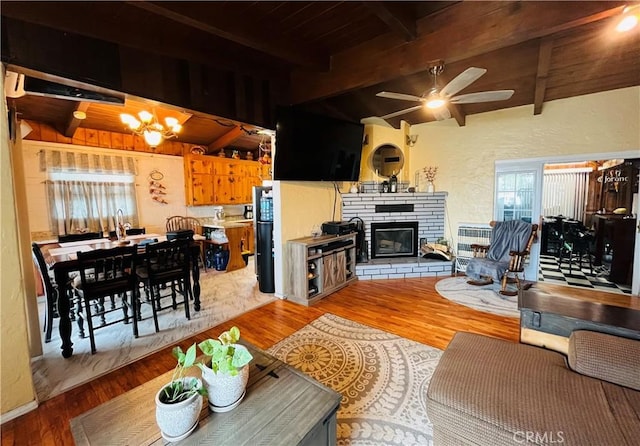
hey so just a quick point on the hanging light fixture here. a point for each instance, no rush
(150, 128)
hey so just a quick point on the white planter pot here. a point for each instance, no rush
(225, 391)
(176, 421)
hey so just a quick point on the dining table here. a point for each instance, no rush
(63, 261)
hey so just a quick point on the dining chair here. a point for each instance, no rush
(174, 223)
(50, 292)
(136, 231)
(167, 263)
(131, 231)
(106, 273)
(64, 238)
(180, 223)
(196, 226)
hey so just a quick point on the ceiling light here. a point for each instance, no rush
(629, 19)
(150, 129)
(434, 100)
(79, 114)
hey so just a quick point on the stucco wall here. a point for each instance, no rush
(303, 206)
(16, 385)
(466, 156)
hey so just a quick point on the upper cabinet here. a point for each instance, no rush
(214, 180)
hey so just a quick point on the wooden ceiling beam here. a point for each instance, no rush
(255, 41)
(544, 62)
(459, 115)
(73, 123)
(493, 25)
(226, 139)
(396, 18)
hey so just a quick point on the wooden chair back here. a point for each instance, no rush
(50, 290)
(64, 238)
(168, 262)
(107, 273)
(174, 223)
(192, 223)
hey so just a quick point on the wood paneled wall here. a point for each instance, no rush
(105, 139)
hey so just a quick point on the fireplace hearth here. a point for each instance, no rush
(394, 239)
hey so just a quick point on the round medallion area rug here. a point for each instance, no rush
(383, 379)
(482, 298)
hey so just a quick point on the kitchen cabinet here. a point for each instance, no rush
(199, 180)
(214, 180)
(248, 241)
(318, 266)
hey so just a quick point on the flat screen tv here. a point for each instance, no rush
(311, 147)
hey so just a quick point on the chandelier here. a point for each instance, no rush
(150, 128)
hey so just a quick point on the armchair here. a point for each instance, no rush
(504, 258)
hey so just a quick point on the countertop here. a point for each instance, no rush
(228, 223)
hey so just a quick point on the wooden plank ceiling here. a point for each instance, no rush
(220, 64)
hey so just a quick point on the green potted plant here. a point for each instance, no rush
(178, 403)
(226, 374)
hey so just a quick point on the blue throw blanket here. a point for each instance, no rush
(506, 236)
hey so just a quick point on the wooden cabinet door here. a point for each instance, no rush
(202, 189)
(226, 166)
(333, 270)
(200, 165)
(248, 244)
(198, 180)
(230, 189)
(223, 189)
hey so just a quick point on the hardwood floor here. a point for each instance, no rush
(410, 308)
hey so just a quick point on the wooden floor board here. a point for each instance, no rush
(410, 308)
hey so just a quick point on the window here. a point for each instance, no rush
(78, 204)
(85, 191)
(514, 195)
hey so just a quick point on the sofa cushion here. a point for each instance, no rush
(607, 357)
(490, 391)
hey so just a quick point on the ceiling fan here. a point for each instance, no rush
(436, 99)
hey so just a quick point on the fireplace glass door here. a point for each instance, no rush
(398, 239)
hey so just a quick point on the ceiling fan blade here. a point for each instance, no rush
(441, 113)
(462, 80)
(401, 112)
(401, 96)
(482, 96)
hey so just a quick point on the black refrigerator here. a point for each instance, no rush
(263, 219)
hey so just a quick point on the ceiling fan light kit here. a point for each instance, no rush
(434, 100)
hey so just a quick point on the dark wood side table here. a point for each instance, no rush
(547, 319)
(282, 406)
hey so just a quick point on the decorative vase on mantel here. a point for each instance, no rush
(430, 187)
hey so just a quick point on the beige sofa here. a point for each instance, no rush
(487, 391)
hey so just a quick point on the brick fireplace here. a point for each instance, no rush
(398, 210)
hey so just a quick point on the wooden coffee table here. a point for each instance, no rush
(282, 406)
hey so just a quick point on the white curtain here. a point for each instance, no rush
(565, 193)
(85, 206)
